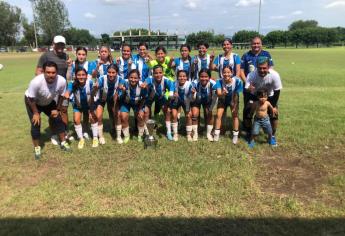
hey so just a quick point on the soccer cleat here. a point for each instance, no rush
(175, 137)
(101, 140)
(54, 139)
(140, 138)
(251, 144)
(37, 151)
(126, 140)
(216, 137)
(65, 146)
(210, 137)
(86, 136)
(119, 140)
(189, 138)
(95, 142)
(81, 143)
(273, 141)
(69, 137)
(195, 137)
(169, 137)
(235, 139)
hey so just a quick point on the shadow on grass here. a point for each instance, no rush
(171, 226)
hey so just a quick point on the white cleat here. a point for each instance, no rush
(54, 139)
(101, 140)
(210, 137)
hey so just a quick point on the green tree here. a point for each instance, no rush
(9, 23)
(28, 33)
(275, 37)
(300, 24)
(202, 36)
(52, 18)
(105, 39)
(295, 37)
(245, 36)
(79, 37)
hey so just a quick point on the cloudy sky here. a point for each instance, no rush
(185, 16)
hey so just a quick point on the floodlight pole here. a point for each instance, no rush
(259, 17)
(149, 11)
(34, 20)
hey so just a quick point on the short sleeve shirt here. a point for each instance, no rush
(248, 61)
(61, 61)
(270, 82)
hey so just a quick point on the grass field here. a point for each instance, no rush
(185, 188)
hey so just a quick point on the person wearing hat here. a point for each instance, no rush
(62, 60)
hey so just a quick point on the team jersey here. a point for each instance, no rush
(168, 72)
(107, 88)
(158, 90)
(103, 69)
(88, 66)
(44, 93)
(140, 64)
(221, 61)
(204, 94)
(202, 63)
(180, 64)
(184, 92)
(132, 96)
(270, 82)
(81, 96)
(234, 87)
(248, 61)
(124, 67)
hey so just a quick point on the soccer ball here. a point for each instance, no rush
(1, 66)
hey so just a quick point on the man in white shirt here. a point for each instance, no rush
(263, 78)
(45, 95)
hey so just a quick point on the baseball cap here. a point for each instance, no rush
(59, 39)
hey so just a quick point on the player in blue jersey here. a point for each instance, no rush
(140, 61)
(200, 61)
(182, 99)
(158, 86)
(203, 96)
(184, 62)
(228, 58)
(132, 95)
(81, 61)
(81, 92)
(125, 62)
(104, 60)
(228, 89)
(107, 95)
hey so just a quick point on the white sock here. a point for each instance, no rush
(195, 129)
(217, 131)
(100, 130)
(178, 115)
(235, 133)
(118, 131)
(175, 127)
(125, 132)
(94, 128)
(141, 130)
(146, 130)
(79, 131)
(189, 129)
(168, 126)
(209, 129)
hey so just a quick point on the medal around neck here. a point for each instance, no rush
(150, 141)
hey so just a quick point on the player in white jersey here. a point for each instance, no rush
(125, 61)
(80, 61)
(140, 61)
(104, 60)
(45, 94)
(182, 63)
(182, 98)
(200, 61)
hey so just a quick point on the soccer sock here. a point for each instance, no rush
(100, 130)
(79, 131)
(217, 132)
(168, 125)
(141, 130)
(235, 132)
(209, 129)
(125, 131)
(94, 128)
(146, 130)
(175, 126)
(195, 129)
(188, 129)
(118, 131)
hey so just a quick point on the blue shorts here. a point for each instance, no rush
(126, 107)
(263, 123)
(224, 102)
(83, 109)
(176, 104)
(159, 102)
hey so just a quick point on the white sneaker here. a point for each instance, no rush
(101, 140)
(54, 139)
(119, 140)
(95, 142)
(86, 136)
(216, 137)
(69, 137)
(210, 137)
(189, 138)
(195, 137)
(235, 139)
(175, 137)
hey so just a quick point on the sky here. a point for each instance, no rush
(186, 16)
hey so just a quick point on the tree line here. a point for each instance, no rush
(51, 18)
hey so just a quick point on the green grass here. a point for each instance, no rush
(184, 188)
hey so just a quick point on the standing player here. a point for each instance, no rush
(104, 60)
(228, 88)
(163, 60)
(125, 62)
(132, 96)
(107, 95)
(80, 61)
(158, 86)
(82, 94)
(227, 59)
(140, 61)
(203, 96)
(45, 94)
(182, 63)
(201, 61)
(182, 98)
